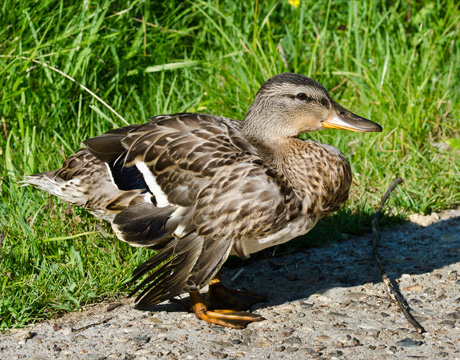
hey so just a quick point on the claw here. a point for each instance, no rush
(228, 318)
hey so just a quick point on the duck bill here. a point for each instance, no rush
(340, 118)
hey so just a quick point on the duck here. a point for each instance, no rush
(197, 188)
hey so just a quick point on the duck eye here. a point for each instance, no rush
(301, 96)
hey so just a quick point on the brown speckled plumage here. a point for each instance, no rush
(198, 188)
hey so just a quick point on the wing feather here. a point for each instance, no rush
(203, 166)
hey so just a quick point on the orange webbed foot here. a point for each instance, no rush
(229, 318)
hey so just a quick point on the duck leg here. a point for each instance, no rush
(228, 318)
(222, 297)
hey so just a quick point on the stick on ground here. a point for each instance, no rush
(91, 325)
(389, 287)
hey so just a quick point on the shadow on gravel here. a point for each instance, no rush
(407, 249)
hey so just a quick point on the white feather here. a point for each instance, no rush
(160, 196)
(109, 171)
(179, 230)
(179, 213)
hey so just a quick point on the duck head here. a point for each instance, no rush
(290, 104)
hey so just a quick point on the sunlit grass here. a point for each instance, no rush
(145, 59)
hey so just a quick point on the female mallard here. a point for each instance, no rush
(198, 188)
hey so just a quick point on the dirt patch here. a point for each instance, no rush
(324, 303)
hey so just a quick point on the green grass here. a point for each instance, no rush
(147, 58)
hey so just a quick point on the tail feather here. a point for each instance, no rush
(85, 181)
(54, 185)
(172, 277)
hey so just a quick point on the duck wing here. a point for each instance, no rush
(205, 188)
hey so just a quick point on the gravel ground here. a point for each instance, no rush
(325, 303)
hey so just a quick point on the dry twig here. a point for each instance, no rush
(91, 325)
(389, 287)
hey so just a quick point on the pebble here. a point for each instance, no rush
(452, 276)
(355, 342)
(413, 288)
(454, 315)
(142, 339)
(95, 357)
(25, 335)
(358, 296)
(336, 354)
(154, 320)
(218, 355)
(263, 342)
(408, 342)
(292, 340)
(322, 338)
(337, 315)
(448, 323)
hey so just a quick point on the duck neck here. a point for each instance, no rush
(268, 147)
(265, 131)
(276, 151)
